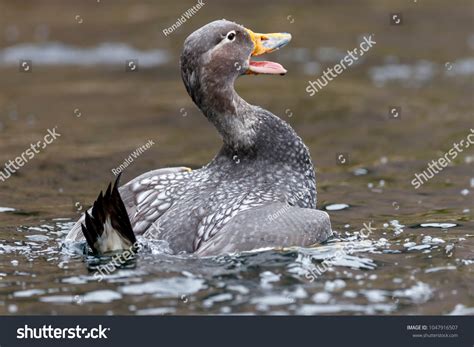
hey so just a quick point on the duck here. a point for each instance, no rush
(258, 192)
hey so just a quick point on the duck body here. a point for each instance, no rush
(196, 205)
(259, 191)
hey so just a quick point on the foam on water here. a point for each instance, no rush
(415, 75)
(165, 287)
(102, 296)
(336, 207)
(269, 281)
(461, 310)
(56, 53)
(438, 225)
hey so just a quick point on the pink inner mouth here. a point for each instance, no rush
(266, 67)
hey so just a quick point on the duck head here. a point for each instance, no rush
(213, 57)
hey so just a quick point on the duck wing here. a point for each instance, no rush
(145, 198)
(150, 195)
(273, 225)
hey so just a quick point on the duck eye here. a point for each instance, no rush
(231, 35)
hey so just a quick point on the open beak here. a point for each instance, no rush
(266, 43)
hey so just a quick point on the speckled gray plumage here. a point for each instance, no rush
(257, 187)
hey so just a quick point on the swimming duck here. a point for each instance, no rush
(258, 192)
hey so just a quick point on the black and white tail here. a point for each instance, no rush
(108, 227)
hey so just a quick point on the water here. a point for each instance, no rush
(419, 259)
(57, 53)
(421, 72)
(374, 275)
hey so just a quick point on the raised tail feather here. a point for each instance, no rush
(108, 227)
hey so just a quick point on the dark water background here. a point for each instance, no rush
(425, 66)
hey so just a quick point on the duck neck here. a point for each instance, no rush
(234, 118)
